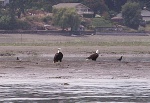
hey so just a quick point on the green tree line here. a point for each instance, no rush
(16, 8)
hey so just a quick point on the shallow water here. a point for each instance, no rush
(74, 90)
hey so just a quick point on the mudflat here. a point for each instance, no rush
(36, 52)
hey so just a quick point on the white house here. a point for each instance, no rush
(4, 2)
(80, 8)
(145, 14)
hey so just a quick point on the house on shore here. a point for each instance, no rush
(145, 14)
(118, 18)
(80, 8)
(4, 2)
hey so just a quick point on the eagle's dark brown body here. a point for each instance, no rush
(58, 57)
(93, 56)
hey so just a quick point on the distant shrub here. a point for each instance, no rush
(48, 8)
(6, 23)
(24, 25)
(33, 18)
(100, 22)
(47, 19)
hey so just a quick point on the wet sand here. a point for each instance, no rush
(37, 51)
(106, 67)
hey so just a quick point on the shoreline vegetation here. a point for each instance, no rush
(105, 43)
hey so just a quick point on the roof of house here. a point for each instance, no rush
(116, 18)
(119, 15)
(145, 13)
(68, 5)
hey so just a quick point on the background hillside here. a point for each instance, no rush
(36, 14)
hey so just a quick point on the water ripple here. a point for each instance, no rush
(75, 90)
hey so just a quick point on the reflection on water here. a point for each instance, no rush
(74, 90)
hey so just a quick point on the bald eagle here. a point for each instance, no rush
(93, 56)
(58, 56)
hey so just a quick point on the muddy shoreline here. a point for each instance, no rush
(35, 78)
(73, 66)
(36, 54)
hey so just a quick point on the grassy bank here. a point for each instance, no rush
(22, 43)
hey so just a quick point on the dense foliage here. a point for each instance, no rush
(98, 6)
(131, 13)
(10, 14)
(100, 22)
(66, 18)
